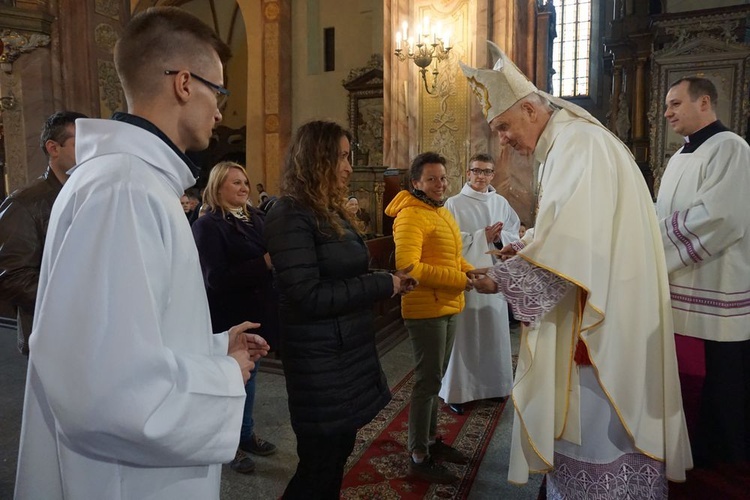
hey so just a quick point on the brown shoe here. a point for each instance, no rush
(242, 463)
(258, 446)
(442, 451)
(431, 472)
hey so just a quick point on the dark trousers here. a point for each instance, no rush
(321, 466)
(724, 431)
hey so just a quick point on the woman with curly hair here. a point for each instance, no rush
(333, 376)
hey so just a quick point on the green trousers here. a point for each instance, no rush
(431, 343)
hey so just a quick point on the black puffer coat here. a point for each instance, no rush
(333, 375)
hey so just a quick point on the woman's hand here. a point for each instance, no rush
(477, 273)
(408, 282)
(469, 284)
(396, 285)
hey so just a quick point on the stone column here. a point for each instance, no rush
(25, 74)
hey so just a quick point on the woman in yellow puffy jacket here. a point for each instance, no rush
(427, 238)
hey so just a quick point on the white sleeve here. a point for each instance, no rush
(511, 225)
(717, 218)
(475, 246)
(112, 370)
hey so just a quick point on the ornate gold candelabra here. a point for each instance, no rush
(431, 45)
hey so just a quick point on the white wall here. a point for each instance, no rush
(358, 28)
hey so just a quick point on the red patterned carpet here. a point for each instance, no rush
(378, 466)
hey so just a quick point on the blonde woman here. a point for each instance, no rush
(237, 274)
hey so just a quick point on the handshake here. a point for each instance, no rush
(478, 280)
(403, 282)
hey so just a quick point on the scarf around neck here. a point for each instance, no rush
(422, 196)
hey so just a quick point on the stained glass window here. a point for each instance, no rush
(570, 50)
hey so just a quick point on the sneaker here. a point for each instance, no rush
(442, 451)
(431, 472)
(242, 463)
(257, 446)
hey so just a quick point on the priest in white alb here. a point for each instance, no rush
(480, 365)
(705, 227)
(596, 394)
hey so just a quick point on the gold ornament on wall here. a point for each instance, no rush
(110, 92)
(432, 43)
(105, 37)
(109, 8)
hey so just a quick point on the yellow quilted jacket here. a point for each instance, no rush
(428, 238)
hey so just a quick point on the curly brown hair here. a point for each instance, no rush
(310, 173)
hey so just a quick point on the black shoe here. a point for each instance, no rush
(242, 463)
(431, 472)
(456, 408)
(257, 446)
(441, 451)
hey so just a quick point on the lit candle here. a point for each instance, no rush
(410, 42)
(446, 40)
(404, 30)
(437, 32)
(398, 40)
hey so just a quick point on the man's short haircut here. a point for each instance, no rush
(193, 193)
(698, 87)
(483, 158)
(56, 128)
(417, 165)
(155, 38)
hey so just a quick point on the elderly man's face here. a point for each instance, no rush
(519, 127)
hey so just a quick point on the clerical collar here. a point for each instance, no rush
(147, 125)
(694, 140)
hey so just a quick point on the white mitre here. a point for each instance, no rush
(504, 85)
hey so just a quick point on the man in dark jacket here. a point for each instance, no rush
(24, 216)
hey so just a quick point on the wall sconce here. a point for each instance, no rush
(431, 44)
(8, 102)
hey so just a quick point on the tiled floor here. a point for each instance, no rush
(272, 423)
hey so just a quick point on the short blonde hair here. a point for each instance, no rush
(216, 178)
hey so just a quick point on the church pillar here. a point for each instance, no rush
(616, 90)
(57, 55)
(269, 91)
(25, 74)
(85, 36)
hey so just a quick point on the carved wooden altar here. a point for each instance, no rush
(365, 106)
(707, 44)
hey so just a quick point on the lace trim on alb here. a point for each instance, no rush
(530, 290)
(631, 476)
